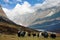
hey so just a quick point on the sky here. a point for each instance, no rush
(12, 3)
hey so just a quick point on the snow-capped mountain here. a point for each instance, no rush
(24, 17)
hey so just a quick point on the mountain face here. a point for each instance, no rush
(2, 12)
(51, 23)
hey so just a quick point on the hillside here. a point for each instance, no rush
(8, 26)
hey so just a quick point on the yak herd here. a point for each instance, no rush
(44, 34)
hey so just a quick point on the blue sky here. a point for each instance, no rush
(12, 3)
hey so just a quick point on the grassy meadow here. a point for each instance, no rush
(15, 37)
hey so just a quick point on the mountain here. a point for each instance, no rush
(48, 26)
(9, 27)
(2, 12)
(26, 16)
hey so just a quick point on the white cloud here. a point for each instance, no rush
(6, 1)
(48, 4)
(23, 9)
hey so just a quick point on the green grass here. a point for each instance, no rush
(15, 37)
